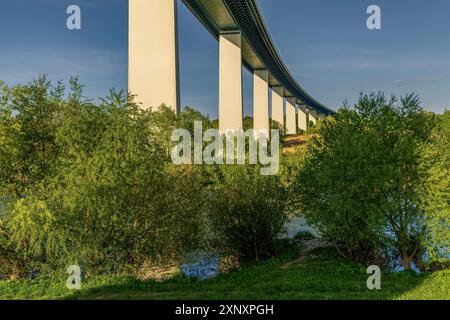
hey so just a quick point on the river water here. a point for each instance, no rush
(203, 265)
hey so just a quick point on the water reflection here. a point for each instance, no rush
(200, 265)
(204, 265)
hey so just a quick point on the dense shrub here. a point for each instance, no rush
(28, 153)
(28, 122)
(360, 182)
(90, 184)
(436, 198)
(247, 212)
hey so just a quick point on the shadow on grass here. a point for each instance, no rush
(324, 275)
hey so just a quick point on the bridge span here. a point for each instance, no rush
(243, 39)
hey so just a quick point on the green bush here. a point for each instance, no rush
(28, 153)
(360, 182)
(436, 196)
(247, 212)
(91, 184)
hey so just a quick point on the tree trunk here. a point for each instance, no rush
(406, 262)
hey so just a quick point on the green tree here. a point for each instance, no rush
(275, 125)
(436, 199)
(96, 186)
(246, 212)
(163, 124)
(28, 121)
(360, 181)
(189, 116)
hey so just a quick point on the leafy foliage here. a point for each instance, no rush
(436, 198)
(360, 182)
(91, 184)
(247, 212)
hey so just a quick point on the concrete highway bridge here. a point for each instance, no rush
(243, 39)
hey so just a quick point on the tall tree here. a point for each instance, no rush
(436, 198)
(360, 181)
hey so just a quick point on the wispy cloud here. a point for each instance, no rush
(422, 80)
(102, 68)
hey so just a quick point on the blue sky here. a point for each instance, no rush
(325, 44)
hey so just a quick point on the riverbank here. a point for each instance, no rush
(323, 275)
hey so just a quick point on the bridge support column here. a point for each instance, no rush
(261, 102)
(313, 116)
(230, 82)
(278, 105)
(291, 115)
(153, 53)
(303, 118)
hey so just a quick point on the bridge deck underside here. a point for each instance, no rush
(258, 50)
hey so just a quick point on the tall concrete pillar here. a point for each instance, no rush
(230, 82)
(278, 105)
(291, 115)
(313, 116)
(153, 53)
(303, 118)
(261, 102)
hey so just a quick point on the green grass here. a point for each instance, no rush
(324, 276)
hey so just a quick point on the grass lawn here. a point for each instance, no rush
(322, 276)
